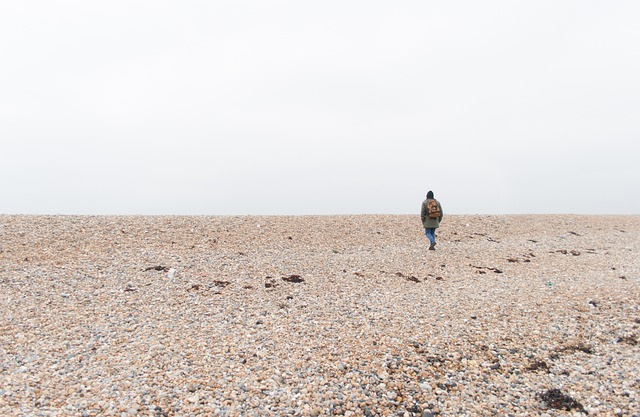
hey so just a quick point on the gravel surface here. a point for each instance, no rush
(319, 315)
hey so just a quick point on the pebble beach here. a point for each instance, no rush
(351, 315)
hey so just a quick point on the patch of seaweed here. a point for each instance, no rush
(580, 347)
(630, 340)
(559, 401)
(537, 366)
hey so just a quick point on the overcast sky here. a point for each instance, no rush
(319, 107)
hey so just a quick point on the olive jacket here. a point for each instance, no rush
(427, 222)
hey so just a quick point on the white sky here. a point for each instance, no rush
(319, 107)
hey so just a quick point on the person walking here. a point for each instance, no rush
(431, 215)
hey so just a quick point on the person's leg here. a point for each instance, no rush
(431, 234)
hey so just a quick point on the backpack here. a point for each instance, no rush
(433, 209)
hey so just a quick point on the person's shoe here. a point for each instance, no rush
(432, 246)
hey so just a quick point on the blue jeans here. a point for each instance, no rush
(431, 234)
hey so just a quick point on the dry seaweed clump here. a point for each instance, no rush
(538, 366)
(630, 340)
(559, 401)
